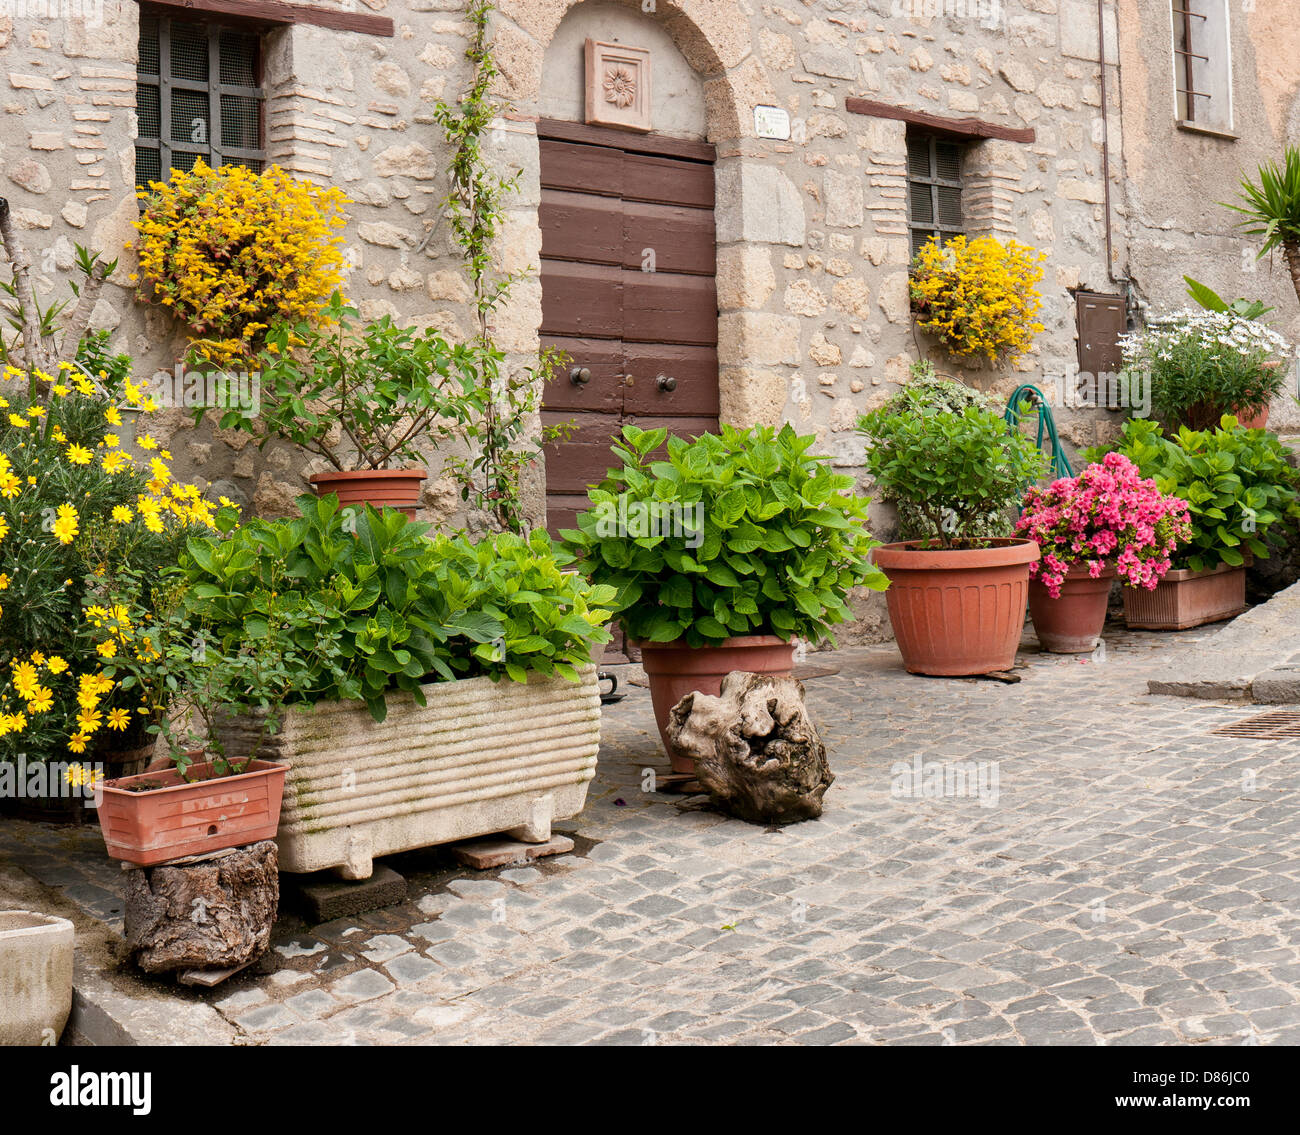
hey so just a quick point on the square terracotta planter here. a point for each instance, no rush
(189, 817)
(1186, 599)
(480, 757)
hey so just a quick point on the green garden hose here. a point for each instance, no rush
(1046, 425)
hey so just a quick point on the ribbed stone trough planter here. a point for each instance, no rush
(481, 757)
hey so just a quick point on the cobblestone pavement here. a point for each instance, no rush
(1126, 878)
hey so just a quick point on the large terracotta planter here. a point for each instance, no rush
(1204, 417)
(1072, 622)
(392, 488)
(36, 953)
(957, 611)
(480, 757)
(189, 817)
(1186, 599)
(675, 670)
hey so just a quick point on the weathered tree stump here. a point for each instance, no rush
(756, 752)
(209, 913)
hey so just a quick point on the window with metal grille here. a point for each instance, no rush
(934, 188)
(1202, 68)
(198, 95)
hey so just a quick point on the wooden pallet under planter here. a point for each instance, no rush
(480, 757)
(1186, 599)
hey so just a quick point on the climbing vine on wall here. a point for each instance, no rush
(491, 478)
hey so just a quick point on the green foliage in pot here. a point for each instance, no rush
(925, 389)
(403, 609)
(739, 534)
(1236, 482)
(550, 617)
(361, 397)
(956, 470)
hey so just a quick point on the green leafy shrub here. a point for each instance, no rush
(743, 533)
(926, 390)
(959, 472)
(174, 663)
(1236, 482)
(550, 618)
(360, 397)
(402, 608)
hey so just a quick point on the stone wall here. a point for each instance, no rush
(812, 242)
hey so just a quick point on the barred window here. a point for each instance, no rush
(1202, 66)
(198, 95)
(934, 186)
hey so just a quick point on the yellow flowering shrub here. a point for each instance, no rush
(978, 296)
(85, 494)
(230, 252)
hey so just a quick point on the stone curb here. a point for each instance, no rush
(1256, 657)
(103, 1015)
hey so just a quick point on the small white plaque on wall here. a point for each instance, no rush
(772, 122)
(618, 86)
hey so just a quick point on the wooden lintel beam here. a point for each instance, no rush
(959, 127)
(276, 12)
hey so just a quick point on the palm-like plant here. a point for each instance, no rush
(1272, 210)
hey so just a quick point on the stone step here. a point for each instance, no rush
(1256, 657)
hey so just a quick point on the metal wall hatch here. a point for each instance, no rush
(1279, 725)
(1102, 319)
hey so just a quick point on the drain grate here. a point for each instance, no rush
(1274, 726)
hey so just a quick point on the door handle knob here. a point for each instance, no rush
(579, 376)
(666, 382)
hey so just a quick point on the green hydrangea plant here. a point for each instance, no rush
(734, 534)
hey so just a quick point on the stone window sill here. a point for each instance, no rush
(1209, 132)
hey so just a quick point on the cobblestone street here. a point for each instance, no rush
(1126, 878)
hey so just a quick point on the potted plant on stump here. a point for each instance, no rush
(1237, 483)
(191, 683)
(723, 554)
(1107, 521)
(364, 399)
(956, 598)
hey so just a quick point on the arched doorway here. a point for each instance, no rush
(628, 255)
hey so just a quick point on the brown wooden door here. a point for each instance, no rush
(628, 293)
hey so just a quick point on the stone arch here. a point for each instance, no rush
(713, 35)
(759, 209)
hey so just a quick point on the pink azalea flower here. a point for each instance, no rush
(1107, 514)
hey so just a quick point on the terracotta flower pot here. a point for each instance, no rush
(179, 817)
(394, 488)
(675, 670)
(957, 611)
(1186, 599)
(1206, 417)
(1071, 623)
(1258, 421)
